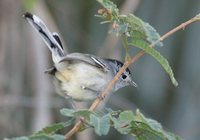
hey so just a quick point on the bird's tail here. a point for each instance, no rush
(52, 40)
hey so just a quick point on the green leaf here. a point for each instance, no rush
(136, 28)
(85, 113)
(128, 25)
(120, 29)
(140, 33)
(53, 128)
(111, 13)
(112, 112)
(126, 116)
(163, 61)
(67, 112)
(122, 123)
(122, 127)
(19, 138)
(40, 137)
(101, 124)
(141, 127)
(152, 34)
(47, 137)
(145, 129)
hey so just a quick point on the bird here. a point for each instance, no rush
(78, 76)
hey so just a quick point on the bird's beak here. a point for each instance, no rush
(133, 83)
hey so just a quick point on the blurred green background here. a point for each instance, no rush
(27, 98)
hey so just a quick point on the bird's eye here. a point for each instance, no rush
(124, 76)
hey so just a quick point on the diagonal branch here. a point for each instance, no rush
(94, 105)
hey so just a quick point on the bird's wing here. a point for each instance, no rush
(87, 58)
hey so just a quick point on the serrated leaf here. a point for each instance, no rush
(47, 137)
(135, 25)
(141, 127)
(112, 112)
(139, 29)
(107, 4)
(141, 33)
(112, 12)
(152, 34)
(149, 50)
(129, 25)
(51, 129)
(40, 137)
(122, 123)
(18, 138)
(58, 137)
(101, 124)
(126, 116)
(145, 129)
(122, 127)
(67, 112)
(85, 113)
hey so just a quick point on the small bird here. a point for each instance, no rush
(78, 76)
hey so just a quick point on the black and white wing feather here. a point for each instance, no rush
(89, 59)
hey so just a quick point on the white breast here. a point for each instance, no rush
(82, 81)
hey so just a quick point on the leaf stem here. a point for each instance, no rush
(98, 100)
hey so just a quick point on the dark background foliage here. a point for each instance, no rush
(27, 98)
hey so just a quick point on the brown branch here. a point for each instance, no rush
(94, 105)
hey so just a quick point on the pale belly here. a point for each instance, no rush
(81, 82)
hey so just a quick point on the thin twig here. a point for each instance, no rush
(94, 105)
